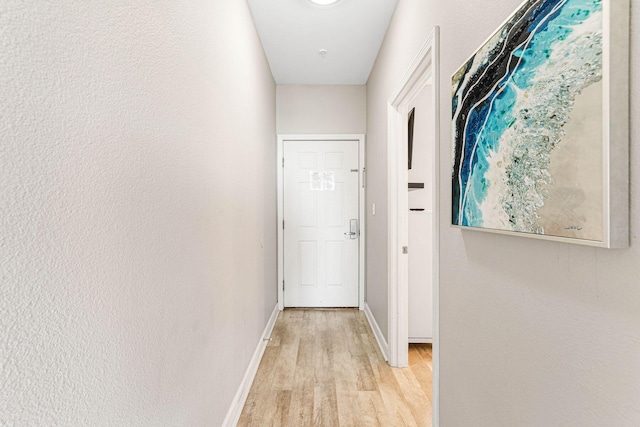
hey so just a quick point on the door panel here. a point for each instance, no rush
(320, 201)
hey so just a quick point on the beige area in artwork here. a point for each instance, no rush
(574, 203)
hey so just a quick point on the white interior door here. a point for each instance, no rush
(420, 220)
(321, 224)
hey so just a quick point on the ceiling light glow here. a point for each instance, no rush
(324, 2)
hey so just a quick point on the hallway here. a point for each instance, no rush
(324, 368)
(140, 237)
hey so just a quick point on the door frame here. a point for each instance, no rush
(424, 70)
(361, 204)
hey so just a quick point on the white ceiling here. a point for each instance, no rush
(294, 31)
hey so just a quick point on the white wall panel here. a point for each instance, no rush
(137, 210)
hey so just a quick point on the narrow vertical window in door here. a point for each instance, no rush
(322, 226)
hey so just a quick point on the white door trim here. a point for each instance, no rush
(361, 205)
(423, 70)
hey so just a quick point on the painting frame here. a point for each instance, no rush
(614, 143)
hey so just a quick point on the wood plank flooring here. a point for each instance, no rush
(324, 368)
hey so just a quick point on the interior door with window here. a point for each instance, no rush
(321, 224)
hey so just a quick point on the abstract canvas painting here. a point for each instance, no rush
(530, 125)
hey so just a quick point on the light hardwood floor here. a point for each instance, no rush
(324, 368)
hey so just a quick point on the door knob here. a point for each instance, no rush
(353, 232)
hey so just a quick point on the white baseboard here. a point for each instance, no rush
(233, 415)
(382, 343)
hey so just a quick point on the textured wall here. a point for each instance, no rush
(407, 32)
(533, 333)
(321, 109)
(137, 210)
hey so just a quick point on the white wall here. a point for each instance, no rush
(533, 333)
(137, 210)
(321, 109)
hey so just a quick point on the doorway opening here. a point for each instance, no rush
(321, 227)
(419, 85)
